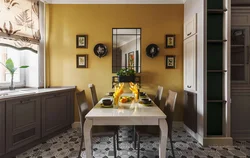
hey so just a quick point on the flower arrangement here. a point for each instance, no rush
(126, 72)
(135, 90)
(126, 75)
(117, 94)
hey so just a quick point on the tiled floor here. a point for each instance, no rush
(66, 145)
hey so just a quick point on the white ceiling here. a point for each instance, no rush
(115, 1)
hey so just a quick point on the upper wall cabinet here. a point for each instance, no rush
(190, 64)
(190, 27)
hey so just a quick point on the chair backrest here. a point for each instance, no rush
(82, 105)
(169, 109)
(157, 99)
(93, 94)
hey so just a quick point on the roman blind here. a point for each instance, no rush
(19, 24)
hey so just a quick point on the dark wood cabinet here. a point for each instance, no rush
(2, 128)
(22, 122)
(56, 112)
(190, 110)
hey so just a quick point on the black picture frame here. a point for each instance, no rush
(170, 62)
(170, 41)
(81, 41)
(82, 60)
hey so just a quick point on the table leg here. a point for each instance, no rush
(163, 138)
(88, 138)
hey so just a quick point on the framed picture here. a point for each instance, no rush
(82, 61)
(170, 62)
(131, 60)
(170, 41)
(81, 41)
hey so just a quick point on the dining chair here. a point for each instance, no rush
(93, 94)
(106, 131)
(169, 112)
(158, 96)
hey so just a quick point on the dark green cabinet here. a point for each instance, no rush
(2, 128)
(22, 122)
(56, 112)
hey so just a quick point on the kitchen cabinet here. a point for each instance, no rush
(190, 110)
(2, 128)
(190, 64)
(190, 27)
(22, 122)
(56, 112)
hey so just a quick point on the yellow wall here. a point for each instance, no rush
(97, 21)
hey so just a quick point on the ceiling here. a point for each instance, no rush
(114, 1)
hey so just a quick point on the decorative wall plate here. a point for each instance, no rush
(100, 50)
(152, 50)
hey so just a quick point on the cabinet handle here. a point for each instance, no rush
(247, 54)
(189, 86)
(189, 33)
(25, 101)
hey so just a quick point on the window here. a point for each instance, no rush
(22, 77)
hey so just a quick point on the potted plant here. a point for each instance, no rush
(9, 65)
(126, 75)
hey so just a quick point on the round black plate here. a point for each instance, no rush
(100, 50)
(152, 50)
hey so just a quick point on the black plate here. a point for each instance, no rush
(152, 50)
(100, 50)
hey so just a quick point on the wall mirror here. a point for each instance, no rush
(126, 49)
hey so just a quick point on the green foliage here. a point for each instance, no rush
(9, 65)
(126, 72)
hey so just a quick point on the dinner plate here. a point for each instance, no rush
(107, 106)
(146, 104)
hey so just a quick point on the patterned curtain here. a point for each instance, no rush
(19, 24)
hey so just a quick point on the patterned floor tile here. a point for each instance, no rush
(66, 145)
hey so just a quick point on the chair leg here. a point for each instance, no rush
(172, 147)
(80, 150)
(117, 140)
(114, 145)
(138, 146)
(134, 137)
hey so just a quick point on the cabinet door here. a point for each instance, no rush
(190, 110)
(190, 27)
(240, 55)
(55, 112)
(190, 64)
(22, 122)
(2, 128)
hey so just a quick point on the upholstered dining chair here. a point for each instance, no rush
(169, 111)
(106, 131)
(158, 96)
(93, 94)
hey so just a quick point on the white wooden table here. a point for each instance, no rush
(127, 114)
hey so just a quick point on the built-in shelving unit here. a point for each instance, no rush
(216, 70)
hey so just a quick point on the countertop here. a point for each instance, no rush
(9, 94)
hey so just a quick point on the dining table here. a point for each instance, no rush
(126, 114)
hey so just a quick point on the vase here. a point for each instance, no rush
(11, 87)
(126, 78)
(116, 102)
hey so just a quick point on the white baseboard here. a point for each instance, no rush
(197, 136)
(76, 125)
(217, 141)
